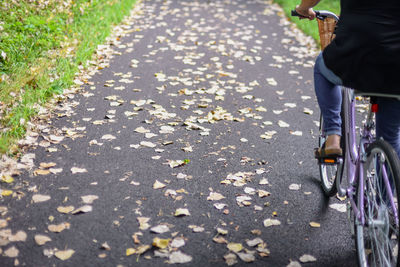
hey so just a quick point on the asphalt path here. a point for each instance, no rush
(200, 122)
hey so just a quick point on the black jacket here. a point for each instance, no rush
(365, 53)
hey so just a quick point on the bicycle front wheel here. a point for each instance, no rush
(377, 240)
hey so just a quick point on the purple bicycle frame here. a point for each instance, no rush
(355, 156)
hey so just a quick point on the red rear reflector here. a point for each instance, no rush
(329, 160)
(374, 108)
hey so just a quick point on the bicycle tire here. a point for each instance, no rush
(374, 240)
(327, 172)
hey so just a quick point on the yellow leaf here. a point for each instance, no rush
(315, 224)
(142, 249)
(7, 179)
(130, 251)
(235, 247)
(160, 243)
(6, 193)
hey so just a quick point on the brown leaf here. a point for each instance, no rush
(57, 228)
(46, 165)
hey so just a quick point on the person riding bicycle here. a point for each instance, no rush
(364, 55)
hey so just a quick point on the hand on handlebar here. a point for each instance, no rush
(305, 13)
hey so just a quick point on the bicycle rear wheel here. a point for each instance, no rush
(377, 241)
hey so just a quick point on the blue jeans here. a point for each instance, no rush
(329, 95)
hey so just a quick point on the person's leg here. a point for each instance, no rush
(388, 121)
(329, 97)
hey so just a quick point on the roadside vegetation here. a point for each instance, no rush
(42, 45)
(309, 27)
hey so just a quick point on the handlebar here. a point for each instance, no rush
(320, 14)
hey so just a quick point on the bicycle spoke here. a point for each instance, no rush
(378, 239)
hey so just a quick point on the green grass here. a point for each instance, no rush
(309, 27)
(35, 39)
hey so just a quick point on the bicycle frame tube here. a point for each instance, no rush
(353, 169)
(351, 146)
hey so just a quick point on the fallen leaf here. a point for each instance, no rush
(20, 236)
(41, 172)
(179, 257)
(47, 165)
(83, 209)
(89, 199)
(222, 231)
(295, 187)
(235, 247)
(108, 137)
(296, 133)
(160, 229)
(76, 170)
(141, 129)
(283, 124)
(214, 196)
(130, 251)
(6, 193)
(294, 264)
(272, 81)
(178, 242)
(7, 179)
(271, 222)
(176, 163)
(41, 239)
(55, 170)
(307, 258)
(339, 207)
(219, 206)
(220, 240)
(315, 224)
(181, 212)
(142, 249)
(143, 223)
(158, 185)
(64, 254)
(11, 252)
(37, 198)
(263, 193)
(160, 243)
(246, 257)
(308, 111)
(3, 223)
(147, 144)
(57, 228)
(65, 209)
(254, 242)
(230, 259)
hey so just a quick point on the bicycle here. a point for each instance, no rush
(373, 180)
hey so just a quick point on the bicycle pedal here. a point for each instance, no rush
(330, 161)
